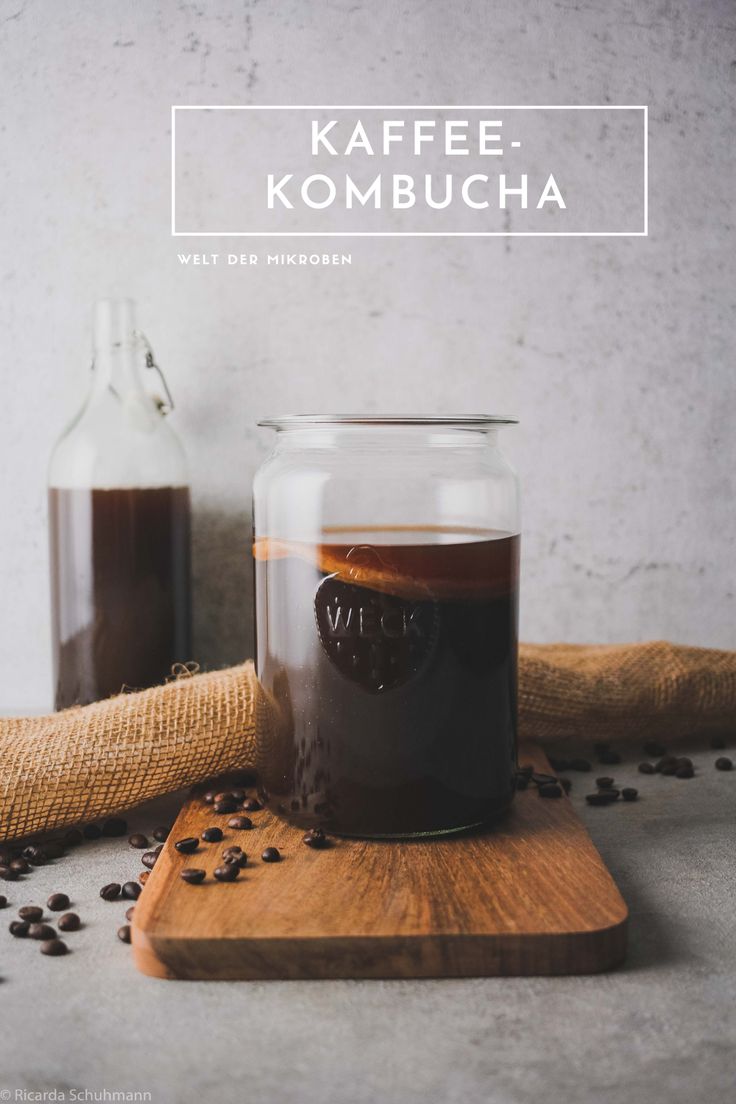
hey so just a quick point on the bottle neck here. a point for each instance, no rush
(116, 368)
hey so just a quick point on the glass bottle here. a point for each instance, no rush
(119, 526)
(386, 580)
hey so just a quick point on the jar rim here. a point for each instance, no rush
(291, 421)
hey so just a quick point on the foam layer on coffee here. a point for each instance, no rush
(414, 562)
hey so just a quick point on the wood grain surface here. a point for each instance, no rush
(528, 896)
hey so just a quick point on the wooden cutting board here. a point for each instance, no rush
(530, 896)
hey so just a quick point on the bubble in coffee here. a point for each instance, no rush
(391, 657)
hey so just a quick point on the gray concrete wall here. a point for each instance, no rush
(615, 353)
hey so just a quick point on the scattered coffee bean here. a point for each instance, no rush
(240, 822)
(69, 922)
(124, 933)
(110, 892)
(654, 749)
(8, 874)
(91, 831)
(226, 805)
(20, 866)
(235, 855)
(579, 765)
(52, 849)
(32, 913)
(129, 913)
(250, 805)
(609, 757)
(604, 783)
(527, 769)
(611, 792)
(271, 854)
(238, 795)
(224, 795)
(138, 840)
(541, 779)
(187, 846)
(600, 797)
(228, 872)
(316, 838)
(193, 875)
(666, 765)
(34, 854)
(566, 784)
(3, 901)
(114, 826)
(550, 789)
(131, 890)
(683, 761)
(717, 743)
(41, 931)
(57, 902)
(73, 837)
(522, 782)
(161, 833)
(685, 771)
(19, 928)
(212, 835)
(647, 768)
(144, 876)
(149, 859)
(559, 764)
(628, 793)
(54, 947)
(723, 763)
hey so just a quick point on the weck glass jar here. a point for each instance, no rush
(386, 582)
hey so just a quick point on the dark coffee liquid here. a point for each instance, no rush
(393, 669)
(120, 588)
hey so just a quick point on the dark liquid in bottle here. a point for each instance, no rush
(393, 669)
(120, 588)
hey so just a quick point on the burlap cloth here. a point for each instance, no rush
(87, 762)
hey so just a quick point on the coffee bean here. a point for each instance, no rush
(52, 849)
(20, 866)
(73, 837)
(723, 763)
(34, 854)
(114, 826)
(566, 784)
(187, 846)
(250, 805)
(541, 779)
(193, 875)
(110, 892)
(240, 822)
(228, 872)
(526, 769)
(41, 931)
(685, 771)
(227, 805)
(138, 840)
(235, 855)
(647, 768)
(579, 765)
(54, 947)
(628, 793)
(124, 933)
(212, 835)
(91, 832)
(8, 874)
(224, 795)
(522, 782)
(559, 764)
(131, 890)
(683, 761)
(149, 859)
(19, 928)
(238, 795)
(69, 922)
(599, 798)
(32, 913)
(144, 876)
(161, 833)
(316, 838)
(3, 901)
(611, 792)
(610, 758)
(129, 913)
(654, 749)
(604, 783)
(271, 854)
(57, 902)
(717, 743)
(550, 789)
(208, 797)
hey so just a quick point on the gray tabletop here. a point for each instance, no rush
(662, 1028)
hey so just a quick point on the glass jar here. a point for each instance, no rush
(386, 583)
(118, 526)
